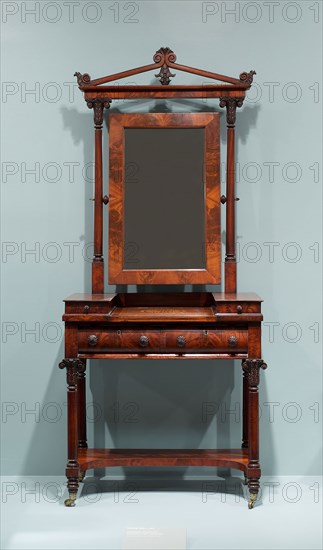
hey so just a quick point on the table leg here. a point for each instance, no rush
(81, 405)
(251, 367)
(72, 468)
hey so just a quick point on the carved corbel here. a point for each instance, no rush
(98, 105)
(231, 104)
(251, 367)
(73, 367)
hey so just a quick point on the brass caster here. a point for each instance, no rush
(69, 502)
(81, 476)
(252, 500)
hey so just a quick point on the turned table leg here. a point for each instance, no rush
(251, 368)
(72, 468)
(81, 412)
(245, 406)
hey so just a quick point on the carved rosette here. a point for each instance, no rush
(251, 367)
(231, 104)
(73, 368)
(247, 78)
(164, 56)
(98, 105)
(83, 79)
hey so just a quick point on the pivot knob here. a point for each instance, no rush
(92, 340)
(181, 341)
(233, 341)
(143, 341)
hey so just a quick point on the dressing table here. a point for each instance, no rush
(164, 205)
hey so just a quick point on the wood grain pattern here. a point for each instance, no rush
(164, 356)
(200, 91)
(197, 325)
(100, 458)
(210, 123)
(163, 341)
(165, 298)
(164, 59)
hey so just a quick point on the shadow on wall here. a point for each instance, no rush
(142, 403)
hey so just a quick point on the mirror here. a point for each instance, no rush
(164, 189)
(164, 222)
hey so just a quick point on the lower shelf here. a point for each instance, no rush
(100, 458)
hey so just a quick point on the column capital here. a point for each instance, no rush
(231, 104)
(251, 367)
(98, 105)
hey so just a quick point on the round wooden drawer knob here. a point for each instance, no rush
(92, 340)
(181, 341)
(143, 341)
(233, 341)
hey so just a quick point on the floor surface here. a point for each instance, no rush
(163, 513)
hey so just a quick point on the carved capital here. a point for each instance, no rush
(73, 368)
(98, 105)
(83, 79)
(81, 368)
(247, 78)
(163, 57)
(251, 368)
(231, 104)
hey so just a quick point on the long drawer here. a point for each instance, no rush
(172, 341)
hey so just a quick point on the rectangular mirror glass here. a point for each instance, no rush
(164, 214)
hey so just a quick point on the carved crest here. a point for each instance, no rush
(165, 59)
(164, 55)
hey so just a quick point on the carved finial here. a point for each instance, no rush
(247, 78)
(82, 79)
(164, 56)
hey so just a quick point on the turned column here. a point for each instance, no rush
(251, 368)
(230, 266)
(98, 105)
(81, 405)
(72, 467)
(245, 411)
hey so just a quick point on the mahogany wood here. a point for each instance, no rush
(159, 355)
(81, 408)
(117, 125)
(227, 458)
(190, 325)
(233, 340)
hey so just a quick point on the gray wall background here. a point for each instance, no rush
(47, 225)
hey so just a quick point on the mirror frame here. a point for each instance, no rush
(117, 124)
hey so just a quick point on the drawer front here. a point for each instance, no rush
(163, 341)
(120, 341)
(207, 341)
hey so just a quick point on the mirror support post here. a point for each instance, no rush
(98, 105)
(230, 266)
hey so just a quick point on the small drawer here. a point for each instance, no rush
(238, 307)
(119, 341)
